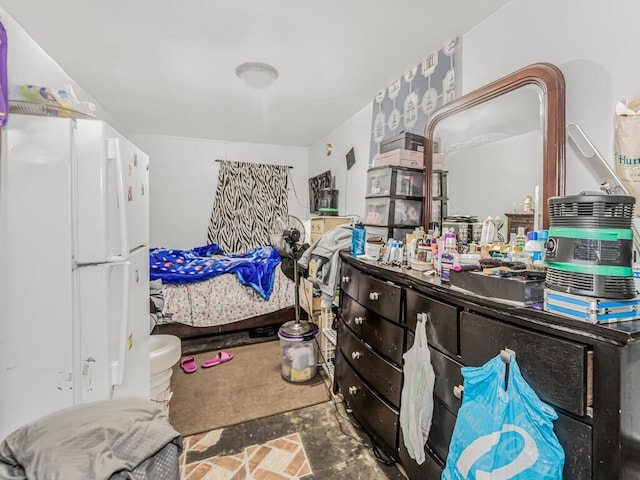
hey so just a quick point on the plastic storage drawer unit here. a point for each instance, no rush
(392, 181)
(385, 211)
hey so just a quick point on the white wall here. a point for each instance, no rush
(29, 64)
(352, 184)
(591, 41)
(183, 176)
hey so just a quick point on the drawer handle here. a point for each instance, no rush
(352, 390)
(458, 391)
(356, 355)
(359, 320)
(346, 279)
(374, 296)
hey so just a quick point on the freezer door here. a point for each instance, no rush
(113, 315)
(111, 190)
(136, 175)
(36, 349)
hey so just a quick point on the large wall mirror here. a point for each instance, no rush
(498, 145)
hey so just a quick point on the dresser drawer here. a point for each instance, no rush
(380, 296)
(576, 441)
(442, 326)
(431, 469)
(441, 431)
(555, 368)
(384, 377)
(385, 337)
(350, 280)
(448, 376)
(379, 418)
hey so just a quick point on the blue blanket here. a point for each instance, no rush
(255, 268)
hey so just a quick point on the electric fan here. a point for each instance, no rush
(297, 337)
(287, 235)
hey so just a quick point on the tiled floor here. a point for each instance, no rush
(317, 442)
(280, 459)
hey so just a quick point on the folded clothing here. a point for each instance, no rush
(98, 440)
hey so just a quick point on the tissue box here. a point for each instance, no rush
(399, 157)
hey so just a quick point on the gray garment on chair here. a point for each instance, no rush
(327, 250)
(108, 440)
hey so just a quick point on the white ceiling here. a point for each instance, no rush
(168, 67)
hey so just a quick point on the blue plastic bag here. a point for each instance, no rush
(502, 434)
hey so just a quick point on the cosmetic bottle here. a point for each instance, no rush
(449, 257)
(534, 249)
(521, 238)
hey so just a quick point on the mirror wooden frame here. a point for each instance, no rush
(550, 80)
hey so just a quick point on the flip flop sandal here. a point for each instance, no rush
(221, 357)
(188, 364)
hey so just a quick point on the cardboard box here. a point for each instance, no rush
(308, 302)
(399, 157)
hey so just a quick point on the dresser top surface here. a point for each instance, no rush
(620, 332)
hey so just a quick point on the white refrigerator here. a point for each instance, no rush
(74, 267)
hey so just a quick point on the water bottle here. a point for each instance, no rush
(358, 240)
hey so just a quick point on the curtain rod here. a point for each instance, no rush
(288, 166)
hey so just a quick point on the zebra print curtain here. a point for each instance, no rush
(249, 197)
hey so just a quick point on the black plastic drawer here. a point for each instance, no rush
(378, 418)
(383, 376)
(555, 368)
(442, 326)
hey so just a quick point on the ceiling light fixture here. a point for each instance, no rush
(257, 75)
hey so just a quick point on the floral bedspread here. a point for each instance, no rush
(222, 300)
(254, 268)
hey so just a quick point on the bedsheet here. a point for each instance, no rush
(222, 300)
(254, 268)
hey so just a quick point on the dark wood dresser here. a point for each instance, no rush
(590, 374)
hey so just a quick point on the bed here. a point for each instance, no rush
(239, 296)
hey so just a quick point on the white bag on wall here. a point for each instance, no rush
(627, 145)
(416, 401)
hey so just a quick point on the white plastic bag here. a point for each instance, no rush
(416, 401)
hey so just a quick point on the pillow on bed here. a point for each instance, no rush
(99, 440)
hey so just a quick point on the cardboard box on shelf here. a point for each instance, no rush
(308, 302)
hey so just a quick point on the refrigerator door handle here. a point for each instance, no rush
(114, 152)
(117, 366)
